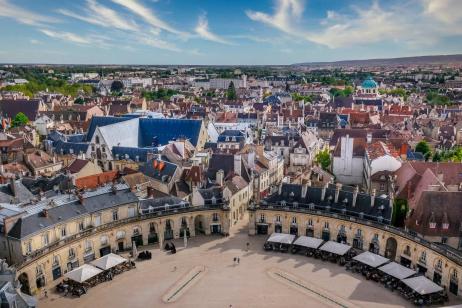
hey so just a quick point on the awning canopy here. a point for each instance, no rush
(83, 273)
(281, 238)
(371, 259)
(309, 242)
(108, 261)
(335, 248)
(397, 270)
(422, 285)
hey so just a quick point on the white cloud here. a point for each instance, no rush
(286, 12)
(407, 23)
(66, 36)
(157, 43)
(101, 15)
(22, 15)
(148, 16)
(447, 11)
(35, 42)
(202, 29)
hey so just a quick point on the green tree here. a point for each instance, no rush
(117, 86)
(423, 148)
(400, 208)
(231, 92)
(20, 120)
(323, 159)
(437, 156)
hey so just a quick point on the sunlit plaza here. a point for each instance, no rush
(205, 274)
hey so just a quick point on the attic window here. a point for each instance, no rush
(446, 226)
(432, 225)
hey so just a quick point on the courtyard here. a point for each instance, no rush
(204, 274)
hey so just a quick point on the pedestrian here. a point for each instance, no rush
(46, 293)
(248, 244)
(238, 260)
(234, 260)
(174, 269)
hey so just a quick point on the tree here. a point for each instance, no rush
(423, 148)
(231, 93)
(117, 86)
(20, 120)
(323, 158)
(437, 156)
(400, 208)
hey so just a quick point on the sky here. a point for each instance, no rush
(225, 32)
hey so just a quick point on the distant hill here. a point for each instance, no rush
(438, 59)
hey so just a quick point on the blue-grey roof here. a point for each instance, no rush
(102, 121)
(154, 132)
(163, 175)
(70, 147)
(133, 153)
(34, 223)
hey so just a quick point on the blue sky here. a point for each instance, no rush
(225, 31)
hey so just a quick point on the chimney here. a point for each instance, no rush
(369, 137)
(323, 192)
(305, 189)
(13, 186)
(45, 212)
(220, 175)
(237, 164)
(373, 197)
(2, 169)
(355, 196)
(80, 197)
(338, 186)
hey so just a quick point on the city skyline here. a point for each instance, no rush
(228, 33)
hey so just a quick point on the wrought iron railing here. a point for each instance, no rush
(31, 257)
(448, 252)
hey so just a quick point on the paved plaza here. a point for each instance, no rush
(261, 279)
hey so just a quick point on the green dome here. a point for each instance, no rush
(369, 83)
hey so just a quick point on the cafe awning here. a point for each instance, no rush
(335, 248)
(397, 270)
(281, 238)
(309, 242)
(108, 261)
(83, 273)
(371, 259)
(422, 285)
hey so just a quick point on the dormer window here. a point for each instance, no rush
(446, 226)
(433, 225)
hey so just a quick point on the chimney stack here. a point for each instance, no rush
(373, 198)
(220, 176)
(238, 164)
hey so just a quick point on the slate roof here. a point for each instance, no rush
(290, 193)
(132, 153)
(37, 222)
(35, 185)
(102, 121)
(10, 108)
(77, 165)
(164, 130)
(164, 175)
(147, 205)
(70, 147)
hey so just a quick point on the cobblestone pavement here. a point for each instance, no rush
(226, 283)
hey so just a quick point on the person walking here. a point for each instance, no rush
(234, 260)
(238, 260)
(248, 244)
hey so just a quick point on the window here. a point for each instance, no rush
(439, 265)
(423, 257)
(131, 212)
(88, 245)
(215, 216)
(152, 227)
(432, 225)
(97, 220)
(445, 226)
(29, 247)
(359, 233)
(136, 231)
(115, 215)
(310, 222)
(407, 250)
(278, 218)
(71, 253)
(382, 187)
(45, 239)
(294, 220)
(326, 225)
(262, 217)
(444, 240)
(63, 231)
(97, 139)
(81, 226)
